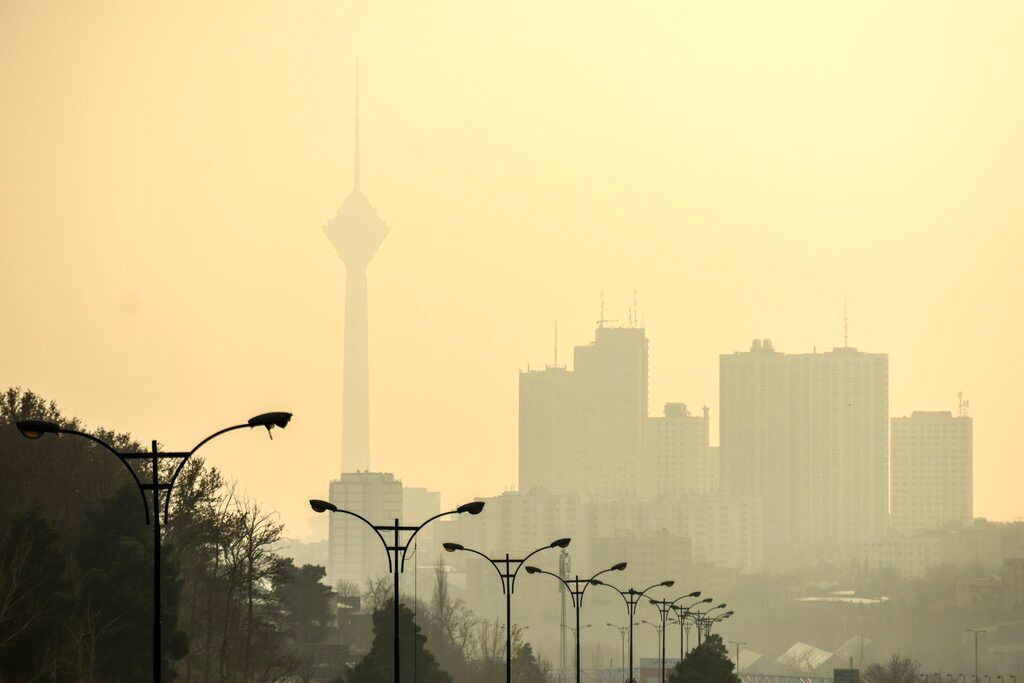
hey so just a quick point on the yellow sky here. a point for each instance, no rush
(166, 168)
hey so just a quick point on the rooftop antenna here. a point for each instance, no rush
(603, 320)
(556, 343)
(635, 310)
(355, 171)
(963, 405)
(846, 325)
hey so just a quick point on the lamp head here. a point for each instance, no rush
(668, 584)
(34, 429)
(706, 600)
(619, 567)
(452, 547)
(561, 543)
(474, 508)
(532, 570)
(597, 582)
(722, 606)
(270, 420)
(322, 506)
(694, 594)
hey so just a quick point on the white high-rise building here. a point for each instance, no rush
(932, 471)
(356, 553)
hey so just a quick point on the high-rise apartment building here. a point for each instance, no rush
(581, 430)
(840, 443)
(932, 471)
(677, 459)
(754, 437)
(807, 435)
(356, 553)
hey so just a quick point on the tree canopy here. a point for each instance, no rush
(707, 663)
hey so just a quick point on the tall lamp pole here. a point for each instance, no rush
(577, 587)
(975, 631)
(400, 549)
(632, 597)
(507, 569)
(737, 643)
(34, 429)
(622, 642)
(682, 613)
(664, 609)
(703, 622)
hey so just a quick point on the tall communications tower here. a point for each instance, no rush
(356, 232)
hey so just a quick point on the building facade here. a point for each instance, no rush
(932, 471)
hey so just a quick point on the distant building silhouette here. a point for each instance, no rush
(677, 459)
(932, 471)
(356, 554)
(581, 431)
(807, 435)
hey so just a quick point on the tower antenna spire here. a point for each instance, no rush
(355, 170)
(846, 324)
(556, 343)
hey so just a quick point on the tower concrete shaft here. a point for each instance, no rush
(356, 232)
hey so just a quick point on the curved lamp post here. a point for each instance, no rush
(664, 609)
(35, 429)
(577, 592)
(400, 549)
(703, 621)
(622, 642)
(508, 585)
(631, 598)
(710, 622)
(682, 613)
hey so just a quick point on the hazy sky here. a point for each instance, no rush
(166, 170)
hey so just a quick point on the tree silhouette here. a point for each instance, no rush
(378, 665)
(898, 669)
(707, 663)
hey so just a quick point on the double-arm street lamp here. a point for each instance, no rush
(396, 565)
(665, 608)
(709, 622)
(34, 429)
(683, 614)
(507, 569)
(577, 587)
(703, 621)
(632, 597)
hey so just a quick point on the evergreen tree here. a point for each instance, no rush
(378, 665)
(707, 663)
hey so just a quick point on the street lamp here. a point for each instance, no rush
(737, 643)
(622, 643)
(660, 631)
(682, 613)
(577, 592)
(398, 548)
(703, 622)
(36, 429)
(664, 608)
(631, 598)
(508, 586)
(975, 632)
